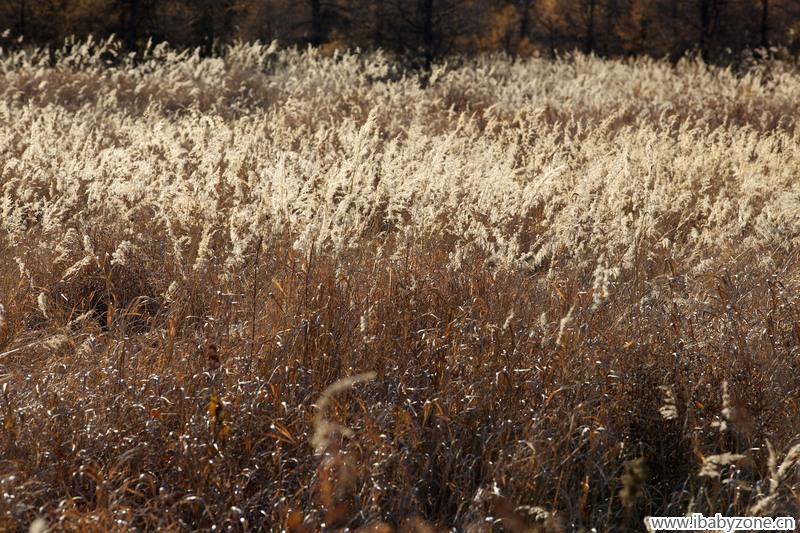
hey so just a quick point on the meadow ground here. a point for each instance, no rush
(566, 292)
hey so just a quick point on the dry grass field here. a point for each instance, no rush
(282, 290)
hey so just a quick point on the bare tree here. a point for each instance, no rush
(427, 29)
(765, 23)
(133, 10)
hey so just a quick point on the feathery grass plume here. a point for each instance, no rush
(24, 272)
(713, 464)
(204, 251)
(55, 342)
(41, 302)
(39, 525)
(69, 244)
(86, 348)
(562, 325)
(508, 321)
(790, 461)
(603, 277)
(125, 251)
(80, 320)
(778, 476)
(634, 482)
(88, 247)
(172, 291)
(322, 426)
(772, 465)
(669, 407)
(726, 412)
(78, 268)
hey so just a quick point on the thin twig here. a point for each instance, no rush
(253, 315)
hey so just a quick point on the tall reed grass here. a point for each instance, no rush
(575, 284)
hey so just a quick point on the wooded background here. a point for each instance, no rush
(423, 29)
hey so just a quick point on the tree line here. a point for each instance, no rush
(423, 29)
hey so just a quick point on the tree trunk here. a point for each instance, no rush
(21, 18)
(765, 23)
(705, 25)
(206, 31)
(588, 45)
(377, 34)
(524, 19)
(227, 19)
(612, 14)
(134, 18)
(316, 36)
(428, 38)
(264, 24)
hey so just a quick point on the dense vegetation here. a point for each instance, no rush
(547, 295)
